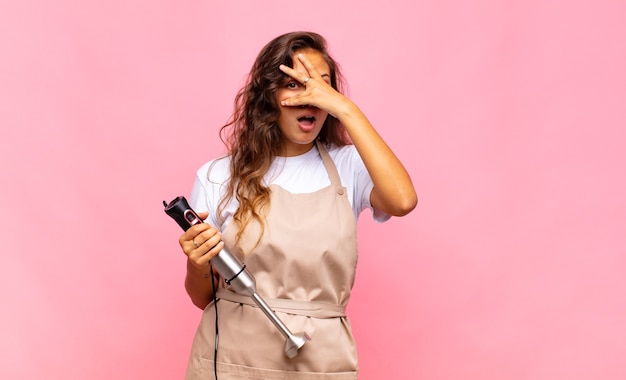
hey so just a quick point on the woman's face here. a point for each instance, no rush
(300, 126)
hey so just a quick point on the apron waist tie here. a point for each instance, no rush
(313, 309)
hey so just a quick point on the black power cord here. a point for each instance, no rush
(216, 330)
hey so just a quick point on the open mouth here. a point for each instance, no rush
(306, 121)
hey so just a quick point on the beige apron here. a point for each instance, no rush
(304, 268)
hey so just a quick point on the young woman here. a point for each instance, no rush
(303, 163)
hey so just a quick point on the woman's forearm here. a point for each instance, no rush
(198, 284)
(393, 190)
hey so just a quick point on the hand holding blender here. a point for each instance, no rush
(235, 274)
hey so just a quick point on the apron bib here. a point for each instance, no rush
(304, 268)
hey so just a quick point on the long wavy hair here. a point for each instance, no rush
(252, 136)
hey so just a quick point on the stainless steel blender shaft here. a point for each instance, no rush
(244, 283)
(293, 342)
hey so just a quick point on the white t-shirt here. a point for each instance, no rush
(299, 174)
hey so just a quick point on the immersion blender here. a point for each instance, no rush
(235, 275)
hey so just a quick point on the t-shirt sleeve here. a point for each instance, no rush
(204, 195)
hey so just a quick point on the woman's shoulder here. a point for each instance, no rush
(216, 171)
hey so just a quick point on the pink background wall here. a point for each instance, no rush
(509, 115)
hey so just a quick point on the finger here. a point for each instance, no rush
(192, 232)
(311, 70)
(203, 215)
(193, 239)
(215, 250)
(297, 101)
(293, 73)
(297, 75)
(202, 259)
(207, 239)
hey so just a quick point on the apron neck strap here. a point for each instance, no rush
(329, 164)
